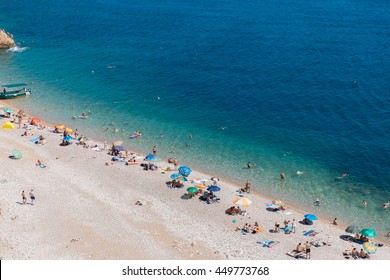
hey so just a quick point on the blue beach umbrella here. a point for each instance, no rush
(68, 138)
(185, 170)
(119, 148)
(149, 157)
(8, 110)
(214, 189)
(175, 176)
(16, 154)
(311, 217)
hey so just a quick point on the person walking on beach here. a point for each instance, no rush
(335, 222)
(32, 197)
(24, 199)
(247, 186)
(175, 163)
(105, 145)
(307, 247)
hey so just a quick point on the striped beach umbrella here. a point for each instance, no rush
(369, 247)
(242, 201)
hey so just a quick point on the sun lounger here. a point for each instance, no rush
(297, 255)
(308, 232)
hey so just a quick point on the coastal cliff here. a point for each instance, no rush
(6, 40)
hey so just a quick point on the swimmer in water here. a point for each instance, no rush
(300, 172)
(74, 117)
(115, 130)
(106, 129)
(317, 202)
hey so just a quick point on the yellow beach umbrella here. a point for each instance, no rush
(69, 130)
(200, 186)
(118, 143)
(60, 126)
(8, 125)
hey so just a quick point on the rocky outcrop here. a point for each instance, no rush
(6, 40)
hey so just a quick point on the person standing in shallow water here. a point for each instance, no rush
(364, 203)
(248, 164)
(154, 150)
(282, 176)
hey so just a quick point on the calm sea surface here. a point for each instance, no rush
(295, 85)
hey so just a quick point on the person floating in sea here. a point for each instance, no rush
(282, 176)
(317, 202)
(364, 203)
(254, 165)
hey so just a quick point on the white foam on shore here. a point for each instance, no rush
(17, 49)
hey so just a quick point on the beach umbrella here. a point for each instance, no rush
(199, 180)
(200, 186)
(368, 232)
(16, 154)
(184, 170)
(119, 148)
(182, 178)
(118, 143)
(214, 189)
(82, 138)
(370, 247)
(69, 130)
(35, 121)
(192, 190)
(149, 157)
(243, 201)
(68, 138)
(353, 229)
(175, 176)
(8, 110)
(311, 217)
(8, 125)
(59, 126)
(278, 202)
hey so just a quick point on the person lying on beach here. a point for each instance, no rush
(27, 133)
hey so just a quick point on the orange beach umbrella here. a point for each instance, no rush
(69, 130)
(35, 120)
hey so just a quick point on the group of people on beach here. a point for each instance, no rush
(31, 195)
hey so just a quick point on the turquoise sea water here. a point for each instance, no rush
(296, 85)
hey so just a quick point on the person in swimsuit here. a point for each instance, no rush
(248, 164)
(154, 150)
(282, 176)
(32, 197)
(24, 199)
(364, 203)
(307, 247)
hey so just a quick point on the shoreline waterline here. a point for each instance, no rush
(205, 174)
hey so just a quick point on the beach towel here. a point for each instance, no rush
(286, 229)
(296, 255)
(35, 139)
(270, 204)
(267, 243)
(308, 232)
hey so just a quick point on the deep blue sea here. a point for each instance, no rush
(296, 85)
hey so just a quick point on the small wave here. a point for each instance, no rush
(17, 49)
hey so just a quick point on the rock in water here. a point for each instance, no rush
(6, 40)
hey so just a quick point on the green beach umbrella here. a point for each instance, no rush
(368, 232)
(16, 154)
(192, 190)
(8, 110)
